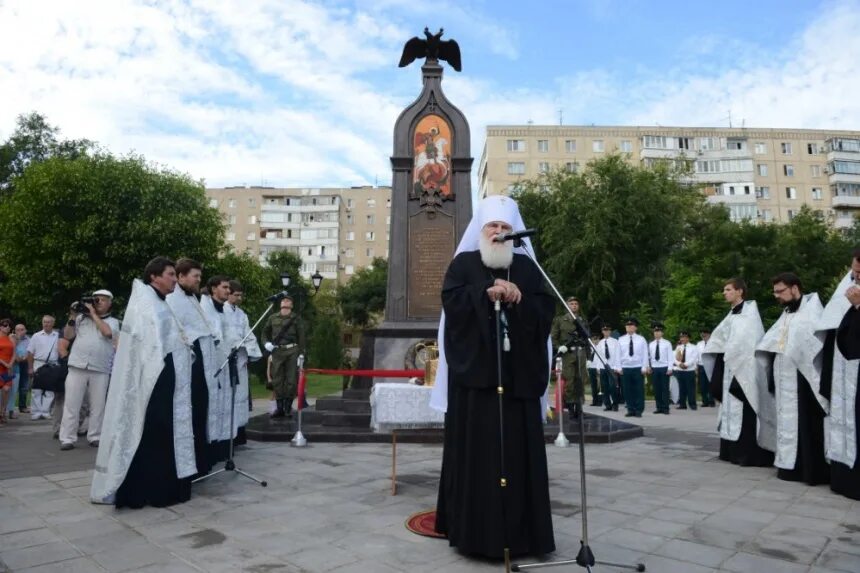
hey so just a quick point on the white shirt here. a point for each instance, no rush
(43, 347)
(639, 359)
(700, 349)
(667, 359)
(614, 360)
(691, 357)
(92, 350)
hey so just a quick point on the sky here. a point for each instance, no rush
(296, 93)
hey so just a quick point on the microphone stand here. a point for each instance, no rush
(229, 464)
(585, 557)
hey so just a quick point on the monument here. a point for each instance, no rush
(431, 205)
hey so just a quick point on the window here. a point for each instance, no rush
(709, 143)
(349, 203)
(516, 168)
(852, 145)
(654, 142)
(252, 219)
(570, 146)
(815, 170)
(350, 219)
(786, 148)
(543, 145)
(231, 203)
(213, 203)
(762, 169)
(762, 192)
(252, 201)
(369, 252)
(370, 236)
(812, 148)
(349, 269)
(516, 145)
(231, 219)
(350, 235)
(371, 219)
(231, 236)
(349, 253)
(388, 203)
(788, 170)
(847, 167)
(371, 203)
(310, 252)
(684, 143)
(816, 193)
(767, 215)
(252, 236)
(736, 144)
(791, 193)
(571, 166)
(791, 213)
(626, 146)
(388, 220)
(760, 148)
(543, 167)
(597, 146)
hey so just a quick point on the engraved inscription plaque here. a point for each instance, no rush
(431, 247)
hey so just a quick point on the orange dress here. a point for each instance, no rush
(7, 352)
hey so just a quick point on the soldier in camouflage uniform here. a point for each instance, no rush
(284, 337)
(573, 358)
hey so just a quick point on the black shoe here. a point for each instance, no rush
(694, 408)
(658, 411)
(607, 409)
(629, 415)
(94, 444)
(681, 408)
(638, 415)
(615, 408)
(67, 447)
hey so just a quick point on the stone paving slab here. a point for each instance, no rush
(663, 499)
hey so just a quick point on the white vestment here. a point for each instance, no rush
(736, 338)
(149, 333)
(792, 345)
(236, 327)
(840, 429)
(219, 402)
(198, 328)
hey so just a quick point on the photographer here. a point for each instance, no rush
(89, 366)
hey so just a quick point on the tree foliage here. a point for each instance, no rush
(608, 232)
(34, 140)
(325, 345)
(74, 225)
(363, 297)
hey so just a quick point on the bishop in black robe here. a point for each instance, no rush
(478, 515)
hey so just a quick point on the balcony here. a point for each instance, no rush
(846, 202)
(277, 208)
(724, 177)
(732, 199)
(843, 220)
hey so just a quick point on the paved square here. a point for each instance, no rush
(663, 499)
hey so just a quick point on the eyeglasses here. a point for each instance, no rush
(779, 291)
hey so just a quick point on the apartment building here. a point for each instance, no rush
(759, 174)
(335, 231)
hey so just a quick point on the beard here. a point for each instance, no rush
(496, 255)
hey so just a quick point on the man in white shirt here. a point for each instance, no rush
(90, 361)
(591, 364)
(686, 360)
(634, 365)
(610, 353)
(660, 361)
(41, 350)
(704, 383)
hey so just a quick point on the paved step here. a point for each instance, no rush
(343, 405)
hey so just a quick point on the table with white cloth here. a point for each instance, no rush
(401, 406)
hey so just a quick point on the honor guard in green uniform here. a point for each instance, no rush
(574, 355)
(284, 338)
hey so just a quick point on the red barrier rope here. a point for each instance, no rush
(303, 379)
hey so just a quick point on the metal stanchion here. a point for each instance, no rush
(561, 440)
(299, 439)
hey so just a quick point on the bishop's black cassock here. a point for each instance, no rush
(470, 508)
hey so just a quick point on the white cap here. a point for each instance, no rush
(103, 292)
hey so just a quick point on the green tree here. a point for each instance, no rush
(74, 225)
(326, 348)
(34, 140)
(363, 297)
(607, 232)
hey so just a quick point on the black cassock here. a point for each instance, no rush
(745, 451)
(844, 480)
(469, 508)
(151, 478)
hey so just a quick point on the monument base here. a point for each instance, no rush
(386, 347)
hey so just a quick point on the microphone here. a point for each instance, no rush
(278, 296)
(514, 236)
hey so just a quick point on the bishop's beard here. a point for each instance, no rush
(496, 255)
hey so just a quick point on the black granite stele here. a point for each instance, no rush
(347, 419)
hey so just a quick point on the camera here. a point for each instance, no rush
(80, 306)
